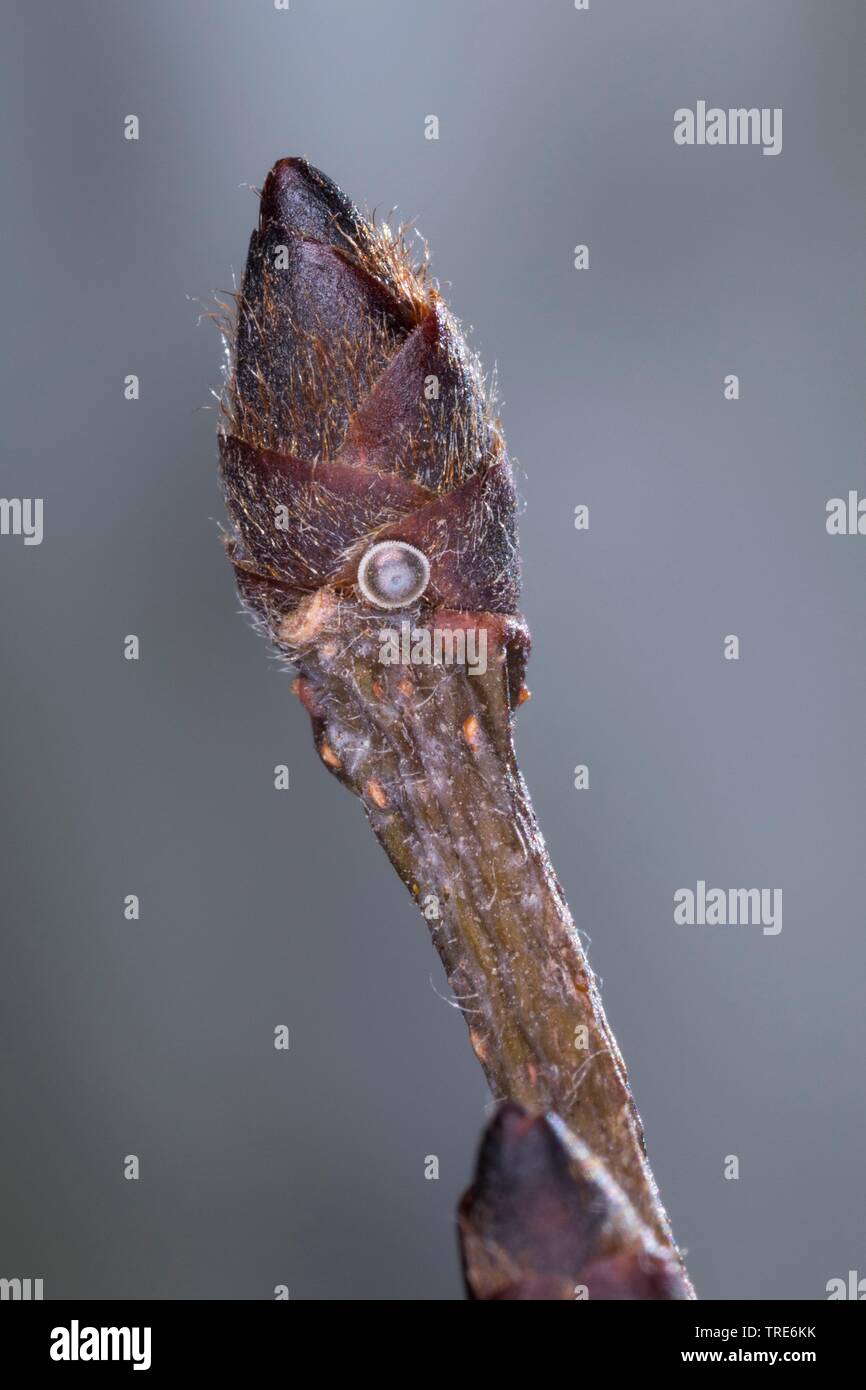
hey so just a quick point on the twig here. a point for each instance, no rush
(374, 509)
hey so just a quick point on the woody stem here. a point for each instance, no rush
(429, 750)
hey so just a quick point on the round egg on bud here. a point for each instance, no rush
(393, 574)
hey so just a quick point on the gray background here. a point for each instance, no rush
(707, 518)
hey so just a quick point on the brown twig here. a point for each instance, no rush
(356, 417)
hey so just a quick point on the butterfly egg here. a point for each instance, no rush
(393, 574)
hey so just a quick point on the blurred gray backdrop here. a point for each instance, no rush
(707, 517)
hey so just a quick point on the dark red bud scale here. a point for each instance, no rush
(544, 1221)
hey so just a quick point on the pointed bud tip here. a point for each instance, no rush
(301, 199)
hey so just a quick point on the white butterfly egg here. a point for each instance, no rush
(393, 574)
